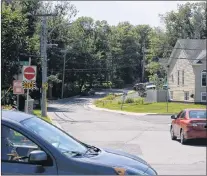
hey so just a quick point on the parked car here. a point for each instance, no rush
(150, 86)
(189, 124)
(33, 146)
(139, 86)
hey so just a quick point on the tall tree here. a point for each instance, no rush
(189, 21)
(13, 41)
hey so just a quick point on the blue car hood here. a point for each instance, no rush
(115, 158)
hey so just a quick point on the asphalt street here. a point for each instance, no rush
(144, 135)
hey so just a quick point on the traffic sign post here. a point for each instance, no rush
(24, 63)
(125, 92)
(28, 85)
(29, 73)
(17, 87)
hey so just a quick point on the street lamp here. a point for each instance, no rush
(168, 68)
(63, 76)
(65, 53)
(86, 26)
(68, 24)
(44, 46)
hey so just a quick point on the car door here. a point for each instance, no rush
(176, 124)
(12, 145)
(181, 121)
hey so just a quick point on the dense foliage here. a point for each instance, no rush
(97, 54)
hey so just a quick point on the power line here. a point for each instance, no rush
(171, 48)
(180, 58)
(105, 69)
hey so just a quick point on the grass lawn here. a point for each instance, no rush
(160, 108)
(37, 112)
(6, 107)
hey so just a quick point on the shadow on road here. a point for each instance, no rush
(84, 99)
(196, 143)
(54, 109)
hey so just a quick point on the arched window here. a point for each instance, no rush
(203, 78)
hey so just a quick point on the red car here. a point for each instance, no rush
(189, 124)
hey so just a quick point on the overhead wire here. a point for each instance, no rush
(124, 66)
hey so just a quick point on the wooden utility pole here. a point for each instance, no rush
(143, 62)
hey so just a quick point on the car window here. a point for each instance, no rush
(200, 114)
(16, 147)
(179, 114)
(183, 115)
(60, 140)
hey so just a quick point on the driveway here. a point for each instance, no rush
(144, 135)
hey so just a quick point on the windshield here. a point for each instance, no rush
(201, 114)
(63, 142)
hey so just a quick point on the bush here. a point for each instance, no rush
(110, 97)
(129, 100)
(98, 101)
(119, 102)
(139, 101)
(107, 85)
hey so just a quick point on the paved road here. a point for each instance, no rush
(145, 135)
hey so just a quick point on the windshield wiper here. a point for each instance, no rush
(92, 148)
(74, 153)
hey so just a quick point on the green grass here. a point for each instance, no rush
(160, 108)
(35, 112)
(38, 114)
(6, 107)
(131, 92)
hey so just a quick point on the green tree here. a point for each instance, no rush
(13, 41)
(188, 22)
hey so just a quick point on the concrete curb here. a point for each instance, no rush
(92, 106)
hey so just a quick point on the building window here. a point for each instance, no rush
(183, 81)
(203, 96)
(203, 78)
(178, 77)
(186, 95)
(171, 95)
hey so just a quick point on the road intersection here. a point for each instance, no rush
(144, 135)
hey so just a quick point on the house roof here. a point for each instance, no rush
(191, 49)
(201, 56)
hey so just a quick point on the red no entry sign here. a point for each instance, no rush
(29, 73)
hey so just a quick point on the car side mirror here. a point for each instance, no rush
(37, 156)
(173, 117)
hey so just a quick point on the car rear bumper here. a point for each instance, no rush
(195, 134)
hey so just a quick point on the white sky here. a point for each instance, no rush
(136, 12)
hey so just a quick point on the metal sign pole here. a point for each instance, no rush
(17, 97)
(27, 102)
(167, 86)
